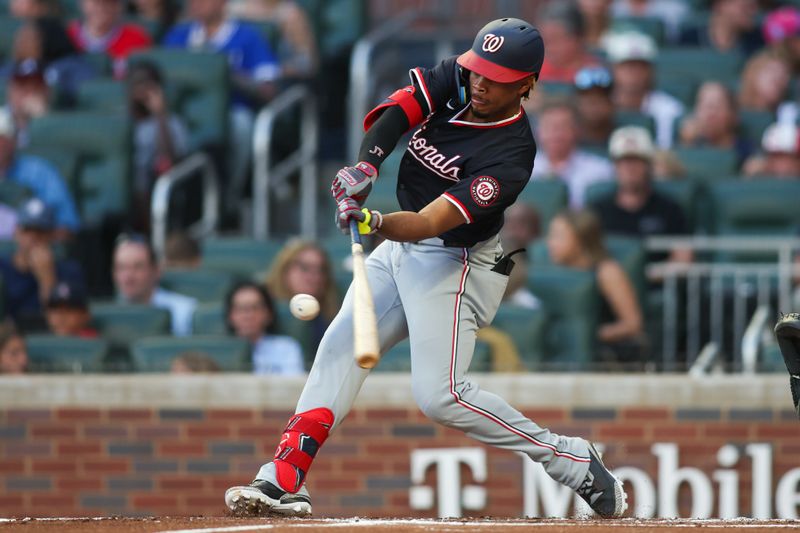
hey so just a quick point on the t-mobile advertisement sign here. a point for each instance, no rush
(718, 490)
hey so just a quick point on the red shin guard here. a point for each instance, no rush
(303, 436)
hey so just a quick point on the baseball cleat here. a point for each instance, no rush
(602, 490)
(262, 498)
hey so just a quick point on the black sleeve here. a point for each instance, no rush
(437, 85)
(382, 137)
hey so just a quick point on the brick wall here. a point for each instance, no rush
(151, 461)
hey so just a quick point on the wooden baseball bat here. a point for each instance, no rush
(365, 327)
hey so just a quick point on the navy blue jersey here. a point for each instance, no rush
(478, 167)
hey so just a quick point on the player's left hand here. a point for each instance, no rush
(348, 208)
(355, 182)
(373, 220)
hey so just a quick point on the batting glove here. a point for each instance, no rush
(355, 182)
(373, 220)
(346, 209)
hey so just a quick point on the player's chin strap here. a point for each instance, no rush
(304, 435)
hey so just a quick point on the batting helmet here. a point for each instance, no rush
(505, 50)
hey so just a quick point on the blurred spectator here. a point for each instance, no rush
(575, 240)
(254, 71)
(29, 9)
(43, 44)
(781, 30)
(67, 311)
(297, 45)
(103, 29)
(158, 15)
(632, 55)
(181, 252)
(304, 267)
(13, 354)
(28, 98)
(136, 276)
(671, 12)
(250, 315)
(562, 27)
(31, 273)
(40, 177)
(193, 363)
(732, 27)
(596, 20)
(8, 222)
(521, 227)
(593, 87)
(635, 208)
(714, 122)
(781, 153)
(559, 155)
(160, 136)
(766, 79)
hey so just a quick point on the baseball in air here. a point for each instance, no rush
(304, 306)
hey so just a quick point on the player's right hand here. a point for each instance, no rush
(355, 182)
(348, 208)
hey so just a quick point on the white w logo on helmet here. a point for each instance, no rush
(492, 43)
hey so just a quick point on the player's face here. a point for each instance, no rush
(562, 242)
(492, 101)
(249, 316)
(13, 357)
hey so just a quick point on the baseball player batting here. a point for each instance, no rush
(440, 274)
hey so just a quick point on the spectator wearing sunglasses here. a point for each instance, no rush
(593, 87)
(136, 276)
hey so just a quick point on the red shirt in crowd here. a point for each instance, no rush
(118, 44)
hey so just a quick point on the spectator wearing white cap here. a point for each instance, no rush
(39, 176)
(631, 55)
(559, 156)
(635, 208)
(781, 153)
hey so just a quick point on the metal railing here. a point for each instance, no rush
(702, 301)
(194, 165)
(271, 176)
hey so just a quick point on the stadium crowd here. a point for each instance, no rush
(641, 106)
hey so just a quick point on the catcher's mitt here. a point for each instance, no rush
(787, 331)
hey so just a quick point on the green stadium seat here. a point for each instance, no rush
(527, 328)
(7, 248)
(202, 284)
(8, 28)
(651, 26)
(239, 255)
(52, 354)
(707, 164)
(753, 123)
(338, 24)
(300, 330)
(630, 253)
(634, 118)
(556, 89)
(155, 354)
(102, 144)
(756, 207)
(398, 358)
(549, 196)
(104, 95)
(200, 84)
(100, 62)
(2, 300)
(571, 300)
(124, 323)
(209, 319)
(682, 89)
(697, 64)
(13, 194)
